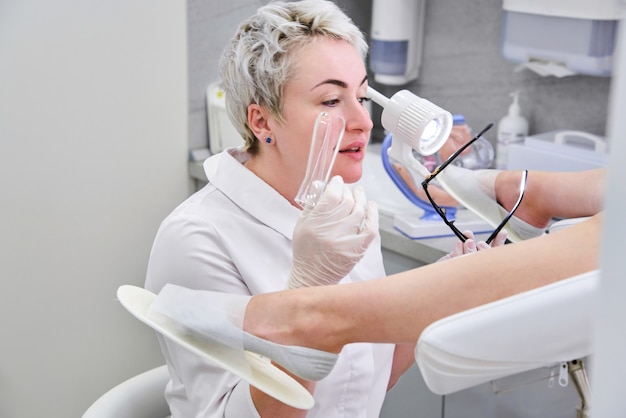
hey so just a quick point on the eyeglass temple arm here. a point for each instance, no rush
(522, 189)
(458, 151)
(441, 213)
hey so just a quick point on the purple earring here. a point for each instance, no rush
(268, 140)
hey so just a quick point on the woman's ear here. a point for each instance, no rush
(258, 121)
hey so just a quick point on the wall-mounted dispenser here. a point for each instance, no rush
(561, 37)
(396, 40)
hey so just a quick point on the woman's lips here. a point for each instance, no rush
(354, 150)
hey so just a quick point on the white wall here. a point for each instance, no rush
(93, 152)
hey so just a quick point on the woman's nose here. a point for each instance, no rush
(358, 118)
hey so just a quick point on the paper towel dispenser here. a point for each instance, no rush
(561, 37)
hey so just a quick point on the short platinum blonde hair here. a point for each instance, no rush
(259, 59)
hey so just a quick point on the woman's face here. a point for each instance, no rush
(329, 76)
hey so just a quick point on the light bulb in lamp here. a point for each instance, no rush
(415, 123)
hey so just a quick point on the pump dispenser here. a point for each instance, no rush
(512, 129)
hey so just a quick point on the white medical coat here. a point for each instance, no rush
(235, 236)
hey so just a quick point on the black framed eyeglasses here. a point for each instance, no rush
(442, 212)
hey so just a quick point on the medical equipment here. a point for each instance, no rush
(249, 366)
(561, 37)
(547, 326)
(416, 125)
(396, 40)
(325, 143)
(479, 155)
(404, 180)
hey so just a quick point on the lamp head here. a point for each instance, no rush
(415, 121)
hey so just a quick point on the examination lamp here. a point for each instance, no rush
(415, 123)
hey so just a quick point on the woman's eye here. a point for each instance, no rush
(364, 100)
(332, 102)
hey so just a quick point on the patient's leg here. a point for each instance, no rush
(552, 194)
(396, 309)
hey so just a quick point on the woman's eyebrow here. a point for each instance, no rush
(336, 82)
(339, 83)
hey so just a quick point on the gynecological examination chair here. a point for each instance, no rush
(542, 328)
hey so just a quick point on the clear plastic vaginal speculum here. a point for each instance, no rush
(325, 143)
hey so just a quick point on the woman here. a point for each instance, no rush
(285, 65)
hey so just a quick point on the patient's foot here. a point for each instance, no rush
(216, 318)
(531, 209)
(476, 190)
(289, 322)
(438, 194)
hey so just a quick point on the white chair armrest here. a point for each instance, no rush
(141, 396)
(534, 329)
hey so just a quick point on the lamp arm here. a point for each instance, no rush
(403, 152)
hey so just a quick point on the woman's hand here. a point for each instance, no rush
(470, 246)
(331, 238)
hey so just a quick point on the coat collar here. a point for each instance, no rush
(226, 172)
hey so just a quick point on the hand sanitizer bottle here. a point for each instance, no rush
(512, 129)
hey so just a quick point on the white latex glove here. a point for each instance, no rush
(331, 238)
(470, 246)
